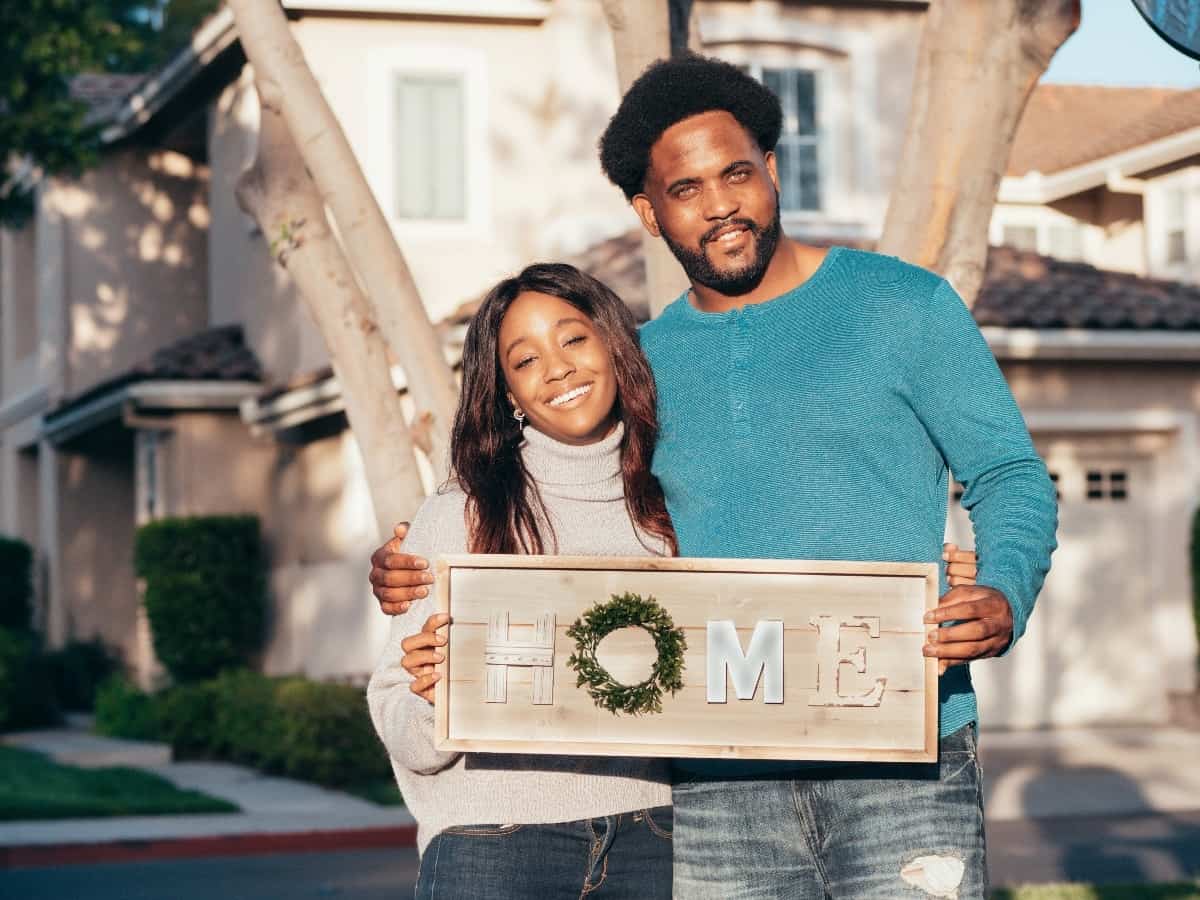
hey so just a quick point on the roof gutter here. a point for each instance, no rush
(1038, 188)
(143, 396)
(1081, 344)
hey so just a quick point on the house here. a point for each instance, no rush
(156, 363)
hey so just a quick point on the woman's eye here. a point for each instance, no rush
(579, 338)
(524, 361)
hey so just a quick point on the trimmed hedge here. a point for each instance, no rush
(16, 584)
(205, 592)
(310, 730)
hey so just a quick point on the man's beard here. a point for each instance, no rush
(735, 283)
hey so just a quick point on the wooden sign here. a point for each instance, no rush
(783, 659)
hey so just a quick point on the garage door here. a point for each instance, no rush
(1086, 657)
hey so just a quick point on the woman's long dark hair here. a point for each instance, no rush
(503, 502)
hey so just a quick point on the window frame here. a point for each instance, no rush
(385, 67)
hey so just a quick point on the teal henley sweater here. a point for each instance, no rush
(820, 425)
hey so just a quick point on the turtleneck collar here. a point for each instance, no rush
(575, 472)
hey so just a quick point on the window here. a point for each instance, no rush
(1064, 242)
(429, 136)
(798, 152)
(1176, 221)
(1113, 485)
(1021, 237)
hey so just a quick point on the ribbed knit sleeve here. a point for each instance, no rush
(403, 720)
(960, 395)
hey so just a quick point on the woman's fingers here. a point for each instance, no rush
(411, 662)
(424, 686)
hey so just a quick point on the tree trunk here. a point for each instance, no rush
(979, 61)
(641, 31)
(278, 192)
(282, 72)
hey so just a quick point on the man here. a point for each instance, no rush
(810, 401)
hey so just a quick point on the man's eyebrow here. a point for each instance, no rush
(736, 164)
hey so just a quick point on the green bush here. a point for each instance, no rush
(186, 717)
(248, 723)
(327, 734)
(78, 669)
(205, 592)
(126, 712)
(26, 689)
(16, 584)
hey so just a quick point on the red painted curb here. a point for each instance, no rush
(43, 855)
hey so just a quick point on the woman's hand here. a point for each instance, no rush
(421, 655)
(960, 565)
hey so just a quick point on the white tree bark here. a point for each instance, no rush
(278, 192)
(641, 34)
(282, 72)
(979, 62)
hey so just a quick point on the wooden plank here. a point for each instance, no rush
(853, 684)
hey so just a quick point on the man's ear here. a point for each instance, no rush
(772, 168)
(645, 211)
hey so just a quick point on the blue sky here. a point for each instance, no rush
(1114, 45)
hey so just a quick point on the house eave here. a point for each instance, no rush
(145, 396)
(512, 10)
(1091, 345)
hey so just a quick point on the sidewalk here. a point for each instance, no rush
(1098, 774)
(278, 814)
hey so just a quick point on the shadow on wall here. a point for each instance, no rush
(136, 260)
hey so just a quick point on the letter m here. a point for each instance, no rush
(765, 654)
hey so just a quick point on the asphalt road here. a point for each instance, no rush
(1127, 849)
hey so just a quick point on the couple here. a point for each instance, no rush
(796, 403)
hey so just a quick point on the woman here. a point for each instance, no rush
(551, 452)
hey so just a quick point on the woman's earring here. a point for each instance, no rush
(519, 415)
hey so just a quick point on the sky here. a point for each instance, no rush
(1114, 45)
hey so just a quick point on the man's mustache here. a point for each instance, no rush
(749, 224)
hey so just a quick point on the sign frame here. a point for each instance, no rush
(926, 573)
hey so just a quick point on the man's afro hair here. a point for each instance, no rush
(675, 89)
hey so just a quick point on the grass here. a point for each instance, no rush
(1179, 891)
(34, 787)
(381, 792)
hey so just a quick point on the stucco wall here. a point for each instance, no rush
(135, 260)
(95, 524)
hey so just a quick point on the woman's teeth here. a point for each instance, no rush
(570, 395)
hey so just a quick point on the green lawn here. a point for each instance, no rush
(1104, 892)
(34, 787)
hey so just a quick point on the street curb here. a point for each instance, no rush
(68, 854)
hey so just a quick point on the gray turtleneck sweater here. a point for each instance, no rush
(584, 496)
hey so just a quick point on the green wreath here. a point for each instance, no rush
(622, 611)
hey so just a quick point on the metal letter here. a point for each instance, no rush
(765, 654)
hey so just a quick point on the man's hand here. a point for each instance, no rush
(960, 565)
(983, 626)
(421, 655)
(397, 579)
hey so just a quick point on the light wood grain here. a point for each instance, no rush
(902, 727)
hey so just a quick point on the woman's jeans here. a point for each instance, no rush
(621, 857)
(848, 832)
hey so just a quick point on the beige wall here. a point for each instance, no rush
(135, 255)
(94, 575)
(18, 309)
